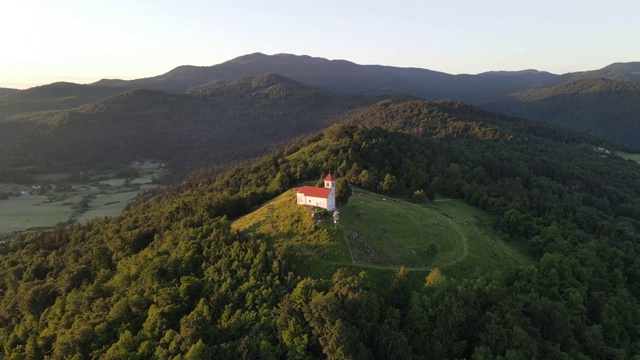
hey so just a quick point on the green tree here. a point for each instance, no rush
(280, 183)
(389, 185)
(368, 179)
(343, 191)
(435, 278)
(419, 196)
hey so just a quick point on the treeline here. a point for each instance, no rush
(170, 279)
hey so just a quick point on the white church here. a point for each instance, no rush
(324, 197)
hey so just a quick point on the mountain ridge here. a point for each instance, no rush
(332, 75)
(54, 96)
(321, 73)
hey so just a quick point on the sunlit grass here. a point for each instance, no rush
(628, 156)
(389, 232)
(381, 234)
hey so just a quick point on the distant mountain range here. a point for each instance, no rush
(603, 102)
(342, 76)
(338, 76)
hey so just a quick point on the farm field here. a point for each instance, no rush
(382, 234)
(23, 212)
(41, 206)
(110, 204)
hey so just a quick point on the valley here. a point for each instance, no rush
(64, 199)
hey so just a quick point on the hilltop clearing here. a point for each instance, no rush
(383, 233)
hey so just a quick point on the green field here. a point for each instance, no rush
(23, 212)
(628, 156)
(382, 234)
(105, 204)
(113, 182)
(78, 202)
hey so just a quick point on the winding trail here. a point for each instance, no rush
(465, 242)
(463, 237)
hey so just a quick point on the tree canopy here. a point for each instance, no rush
(169, 278)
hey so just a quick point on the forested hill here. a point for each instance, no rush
(169, 279)
(603, 107)
(55, 96)
(459, 120)
(6, 91)
(209, 125)
(629, 71)
(266, 86)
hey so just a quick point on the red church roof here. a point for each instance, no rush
(329, 178)
(315, 191)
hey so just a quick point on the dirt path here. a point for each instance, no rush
(349, 246)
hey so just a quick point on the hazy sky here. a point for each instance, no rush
(83, 41)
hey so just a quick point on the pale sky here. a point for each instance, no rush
(82, 41)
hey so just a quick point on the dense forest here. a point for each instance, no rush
(211, 124)
(169, 278)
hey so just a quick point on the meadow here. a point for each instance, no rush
(628, 156)
(388, 232)
(383, 234)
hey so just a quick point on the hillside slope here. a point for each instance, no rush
(603, 107)
(7, 91)
(629, 71)
(55, 96)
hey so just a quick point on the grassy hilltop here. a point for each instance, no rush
(383, 233)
